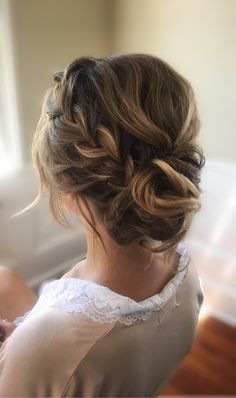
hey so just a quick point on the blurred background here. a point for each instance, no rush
(198, 38)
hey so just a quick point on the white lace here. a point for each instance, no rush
(102, 304)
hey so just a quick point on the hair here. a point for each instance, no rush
(121, 130)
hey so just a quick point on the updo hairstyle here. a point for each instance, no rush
(121, 130)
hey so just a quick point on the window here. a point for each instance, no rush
(10, 147)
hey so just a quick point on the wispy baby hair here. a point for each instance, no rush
(121, 130)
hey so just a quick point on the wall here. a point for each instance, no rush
(33, 244)
(43, 36)
(47, 35)
(211, 240)
(198, 39)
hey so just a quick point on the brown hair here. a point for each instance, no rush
(121, 130)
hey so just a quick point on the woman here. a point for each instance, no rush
(116, 146)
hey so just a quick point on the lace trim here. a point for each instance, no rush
(102, 304)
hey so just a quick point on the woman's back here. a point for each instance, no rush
(83, 340)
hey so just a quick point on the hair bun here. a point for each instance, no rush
(127, 141)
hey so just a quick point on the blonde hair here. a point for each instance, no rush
(121, 130)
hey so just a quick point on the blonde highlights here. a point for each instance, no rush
(121, 130)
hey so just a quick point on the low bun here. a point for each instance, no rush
(160, 199)
(121, 130)
(165, 198)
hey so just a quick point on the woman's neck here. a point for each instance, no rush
(126, 270)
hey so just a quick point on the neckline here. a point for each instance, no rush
(101, 303)
(166, 291)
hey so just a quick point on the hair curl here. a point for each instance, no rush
(122, 130)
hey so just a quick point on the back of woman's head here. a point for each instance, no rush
(121, 130)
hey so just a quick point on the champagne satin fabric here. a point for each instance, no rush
(60, 354)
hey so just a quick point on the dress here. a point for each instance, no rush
(82, 339)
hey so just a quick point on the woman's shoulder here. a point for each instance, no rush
(41, 354)
(60, 353)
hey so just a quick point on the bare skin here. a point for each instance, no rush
(9, 327)
(122, 269)
(15, 298)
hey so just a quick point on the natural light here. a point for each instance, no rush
(10, 146)
(7, 163)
